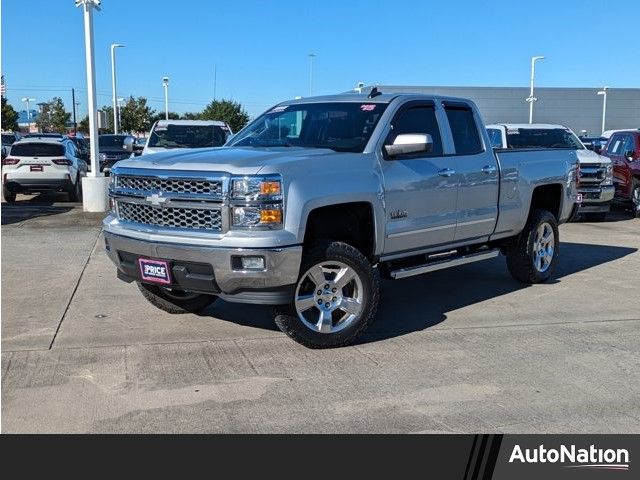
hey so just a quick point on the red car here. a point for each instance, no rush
(623, 148)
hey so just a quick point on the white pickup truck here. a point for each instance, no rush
(595, 179)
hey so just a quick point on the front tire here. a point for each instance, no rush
(635, 197)
(175, 301)
(534, 257)
(8, 195)
(335, 300)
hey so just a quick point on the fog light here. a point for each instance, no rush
(252, 263)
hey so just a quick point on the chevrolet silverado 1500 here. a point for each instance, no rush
(308, 205)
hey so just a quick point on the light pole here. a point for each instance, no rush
(165, 84)
(27, 100)
(312, 56)
(113, 84)
(120, 100)
(603, 92)
(531, 98)
(94, 185)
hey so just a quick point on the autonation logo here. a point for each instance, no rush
(573, 457)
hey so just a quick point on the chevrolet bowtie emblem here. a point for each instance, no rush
(155, 199)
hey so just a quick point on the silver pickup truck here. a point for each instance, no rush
(308, 205)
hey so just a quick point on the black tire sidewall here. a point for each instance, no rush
(323, 252)
(155, 295)
(520, 258)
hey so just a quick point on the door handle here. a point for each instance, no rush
(489, 169)
(446, 172)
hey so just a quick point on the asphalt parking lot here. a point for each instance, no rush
(460, 350)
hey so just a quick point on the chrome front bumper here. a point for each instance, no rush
(273, 285)
(596, 199)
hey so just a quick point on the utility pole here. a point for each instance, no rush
(165, 84)
(531, 98)
(312, 56)
(95, 184)
(113, 85)
(215, 81)
(603, 92)
(73, 101)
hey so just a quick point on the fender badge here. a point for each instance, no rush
(397, 214)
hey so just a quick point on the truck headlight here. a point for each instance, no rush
(608, 174)
(251, 189)
(264, 215)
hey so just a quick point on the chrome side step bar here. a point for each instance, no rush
(442, 264)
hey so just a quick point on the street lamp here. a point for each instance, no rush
(311, 58)
(113, 84)
(94, 185)
(120, 100)
(603, 92)
(531, 98)
(165, 84)
(27, 100)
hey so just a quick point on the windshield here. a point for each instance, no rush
(111, 140)
(32, 149)
(543, 138)
(188, 136)
(340, 126)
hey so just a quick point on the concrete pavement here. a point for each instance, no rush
(461, 350)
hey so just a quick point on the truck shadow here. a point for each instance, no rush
(421, 302)
(28, 207)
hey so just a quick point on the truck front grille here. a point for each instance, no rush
(592, 174)
(170, 185)
(170, 217)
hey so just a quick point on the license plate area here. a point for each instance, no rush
(36, 168)
(155, 271)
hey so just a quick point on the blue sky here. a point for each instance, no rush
(260, 48)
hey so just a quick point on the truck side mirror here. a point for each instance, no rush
(127, 145)
(410, 143)
(629, 155)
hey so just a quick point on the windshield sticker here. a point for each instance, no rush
(368, 107)
(160, 128)
(279, 109)
(513, 131)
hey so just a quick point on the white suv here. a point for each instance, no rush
(43, 165)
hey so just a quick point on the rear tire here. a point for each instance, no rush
(534, 257)
(595, 217)
(175, 301)
(9, 196)
(335, 300)
(75, 195)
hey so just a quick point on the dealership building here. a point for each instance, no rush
(578, 108)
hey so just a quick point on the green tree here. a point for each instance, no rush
(53, 117)
(160, 116)
(83, 125)
(135, 115)
(191, 116)
(227, 111)
(9, 116)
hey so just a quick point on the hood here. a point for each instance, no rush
(588, 156)
(236, 160)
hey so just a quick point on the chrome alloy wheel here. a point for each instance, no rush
(543, 247)
(329, 297)
(635, 197)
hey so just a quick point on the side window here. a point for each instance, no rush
(629, 144)
(615, 145)
(464, 130)
(495, 137)
(419, 119)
